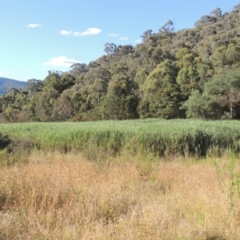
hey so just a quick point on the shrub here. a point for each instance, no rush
(4, 141)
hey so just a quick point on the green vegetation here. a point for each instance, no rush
(134, 174)
(190, 73)
(159, 137)
(4, 141)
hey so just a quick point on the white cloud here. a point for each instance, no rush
(33, 25)
(89, 31)
(138, 41)
(113, 35)
(77, 34)
(61, 61)
(119, 37)
(65, 32)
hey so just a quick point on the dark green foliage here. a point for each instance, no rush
(171, 74)
(197, 144)
(4, 141)
(220, 99)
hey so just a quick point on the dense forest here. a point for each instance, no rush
(191, 73)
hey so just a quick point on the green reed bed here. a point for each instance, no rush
(160, 137)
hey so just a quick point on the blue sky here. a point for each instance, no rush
(42, 35)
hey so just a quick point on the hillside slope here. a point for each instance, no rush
(5, 83)
(190, 73)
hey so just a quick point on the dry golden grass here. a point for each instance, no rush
(57, 196)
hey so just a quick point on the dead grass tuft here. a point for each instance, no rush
(57, 196)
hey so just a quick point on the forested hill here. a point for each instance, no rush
(6, 83)
(171, 74)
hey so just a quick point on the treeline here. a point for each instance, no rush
(191, 73)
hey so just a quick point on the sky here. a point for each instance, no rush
(41, 35)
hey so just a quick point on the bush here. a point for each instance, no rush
(4, 141)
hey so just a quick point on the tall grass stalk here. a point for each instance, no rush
(66, 196)
(160, 137)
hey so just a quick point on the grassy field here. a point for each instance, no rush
(142, 179)
(160, 137)
(65, 196)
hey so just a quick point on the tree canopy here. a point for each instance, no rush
(171, 74)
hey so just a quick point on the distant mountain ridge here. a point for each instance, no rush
(6, 83)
